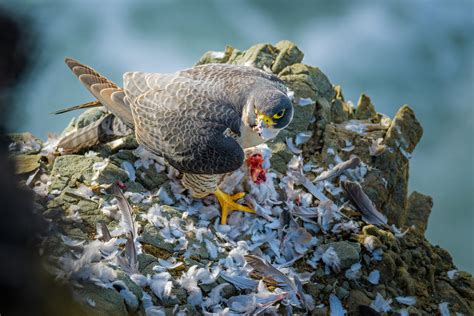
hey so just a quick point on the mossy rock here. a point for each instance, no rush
(26, 163)
(288, 54)
(24, 143)
(90, 116)
(80, 168)
(105, 301)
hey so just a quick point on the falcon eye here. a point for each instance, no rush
(279, 115)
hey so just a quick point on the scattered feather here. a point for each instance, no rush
(129, 169)
(71, 242)
(338, 169)
(292, 147)
(211, 248)
(266, 271)
(305, 101)
(374, 277)
(331, 259)
(369, 213)
(301, 179)
(102, 231)
(303, 137)
(377, 148)
(239, 282)
(90, 301)
(452, 274)
(353, 272)
(443, 309)
(164, 197)
(126, 211)
(406, 300)
(335, 306)
(380, 304)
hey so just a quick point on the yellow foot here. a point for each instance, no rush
(228, 205)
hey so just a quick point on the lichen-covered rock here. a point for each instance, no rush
(90, 116)
(307, 81)
(155, 243)
(418, 211)
(71, 168)
(365, 109)
(356, 299)
(216, 57)
(26, 163)
(387, 182)
(99, 301)
(24, 143)
(288, 54)
(260, 56)
(405, 131)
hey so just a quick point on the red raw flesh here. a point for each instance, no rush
(257, 172)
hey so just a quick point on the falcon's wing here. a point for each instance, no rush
(233, 76)
(189, 127)
(227, 71)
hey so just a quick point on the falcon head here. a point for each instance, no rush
(267, 112)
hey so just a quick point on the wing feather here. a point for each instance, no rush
(188, 130)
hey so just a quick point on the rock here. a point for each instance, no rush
(387, 267)
(212, 57)
(24, 143)
(26, 163)
(319, 311)
(339, 111)
(457, 303)
(342, 293)
(135, 289)
(408, 265)
(387, 183)
(150, 178)
(405, 281)
(100, 301)
(365, 109)
(159, 248)
(307, 82)
(348, 252)
(78, 167)
(288, 54)
(90, 116)
(405, 131)
(418, 211)
(356, 298)
(146, 262)
(280, 156)
(260, 56)
(311, 84)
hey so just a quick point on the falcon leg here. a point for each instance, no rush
(228, 204)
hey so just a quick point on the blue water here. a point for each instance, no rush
(414, 52)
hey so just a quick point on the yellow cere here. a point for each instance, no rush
(265, 118)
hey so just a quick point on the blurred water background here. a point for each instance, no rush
(415, 52)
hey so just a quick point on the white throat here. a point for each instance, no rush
(251, 137)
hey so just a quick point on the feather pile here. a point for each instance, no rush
(250, 265)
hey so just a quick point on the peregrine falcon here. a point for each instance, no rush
(199, 119)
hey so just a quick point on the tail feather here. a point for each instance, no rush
(103, 130)
(87, 105)
(103, 89)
